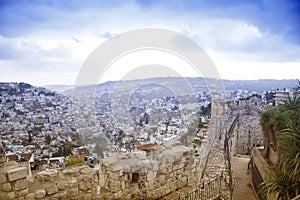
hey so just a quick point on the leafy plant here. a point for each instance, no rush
(73, 161)
(285, 122)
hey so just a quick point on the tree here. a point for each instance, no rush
(206, 110)
(291, 104)
(297, 88)
(58, 153)
(284, 122)
(271, 121)
(99, 150)
(48, 139)
(67, 149)
(285, 178)
(64, 150)
(29, 136)
(201, 124)
(270, 96)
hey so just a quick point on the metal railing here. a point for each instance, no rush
(214, 189)
(257, 181)
(228, 154)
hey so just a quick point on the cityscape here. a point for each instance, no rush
(39, 130)
(187, 100)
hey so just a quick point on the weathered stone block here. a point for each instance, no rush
(30, 196)
(173, 186)
(17, 173)
(151, 175)
(96, 178)
(87, 196)
(46, 175)
(3, 178)
(6, 187)
(113, 176)
(151, 184)
(114, 186)
(139, 154)
(178, 166)
(23, 193)
(94, 193)
(85, 170)
(163, 171)
(120, 194)
(72, 170)
(73, 192)
(51, 189)
(184, 178)
(102, 180)
(128, 197)
(21, 184)
(78, 197)
(123, 185)
(2, 195)
(10, 195)
(40, 194)
(102, 169)
(60, 195)
(134, 188)
(85, 185)
(166, 191)
(156, 194)
(2, 159)
(155, 165)
(61, 185)
(73, 183)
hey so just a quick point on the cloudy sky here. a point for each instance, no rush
(46, 42)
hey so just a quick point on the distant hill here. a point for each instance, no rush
(259, 85)
(58, 88)
(197, 83)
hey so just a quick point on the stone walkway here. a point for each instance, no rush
(215, 163)
(216, 167)
(242, 180)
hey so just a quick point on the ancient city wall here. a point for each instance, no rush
(247, 134)
(134, 176)
(14, 182)
(78, 182)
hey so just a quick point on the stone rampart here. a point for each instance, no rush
(134, 176)
(79, 182)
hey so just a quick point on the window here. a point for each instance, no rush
(135, 177)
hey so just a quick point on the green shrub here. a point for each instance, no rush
(73, 161)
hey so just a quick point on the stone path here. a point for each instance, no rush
(215, 163)
(242, 180)
(216, 168)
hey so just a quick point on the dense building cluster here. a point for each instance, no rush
(34, 119)
(36, 123)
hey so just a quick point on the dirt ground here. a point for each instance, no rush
(242, 180)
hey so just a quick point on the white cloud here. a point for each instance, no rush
(59, 46)
(258, 70)
(160, 64)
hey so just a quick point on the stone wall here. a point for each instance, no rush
(258, 172)
(14, 182)
(218, 108)
(247, 134)
(134, 176)
(79, 182)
